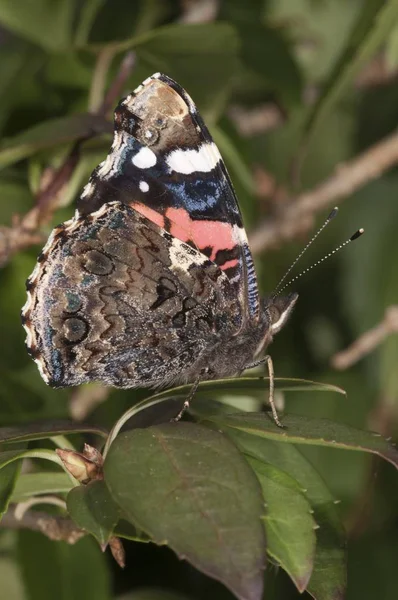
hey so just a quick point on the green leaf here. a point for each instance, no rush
(145, 408)
(93, 509)
(16, 199)
(190, 488)
(47, 23)
(88, 12)
(303, 430)
(68, 70)
(11, 585)
(8, 477)
(375, 21)
(46, 429)
(43, 482)
(126, 530)
(329, 575)
(266, 52)
(289, 524)
(392, 50)
(248, 385)
(49, 134)
(234, 159)
(10, 456)
(58, 570)
(205, 69)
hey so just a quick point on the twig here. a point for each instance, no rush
(22, 507)
(48, 195)
(57, 528)
(25, 231)
(53, 527)
(85, 399)
(380, 419)
(13, 239)
(118, 83)
(257, 120)
(117, 549)
(98, 81)
(376, 73)
(202, 11)
(367, 341)
(356, 522)
(299, 215)
(268, 116)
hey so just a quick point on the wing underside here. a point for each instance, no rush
(119, 300)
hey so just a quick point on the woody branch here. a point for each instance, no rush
(25, 231)
(53, 527)
(299, 214)
(368, 341)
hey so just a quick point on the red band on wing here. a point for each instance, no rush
(229, 264)
(149, 213)
(214, 234)
(204, 234)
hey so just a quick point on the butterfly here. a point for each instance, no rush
(152, 282)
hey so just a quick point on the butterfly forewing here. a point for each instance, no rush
(165, 165)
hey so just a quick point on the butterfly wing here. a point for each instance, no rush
(164, 163)
(114, 298)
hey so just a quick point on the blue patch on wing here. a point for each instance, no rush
(197, 196)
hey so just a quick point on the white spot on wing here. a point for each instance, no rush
(144, 187)
(87, 190)
(144, 159)
(183, 259)
(202, 160)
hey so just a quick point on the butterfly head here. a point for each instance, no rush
(278, 310)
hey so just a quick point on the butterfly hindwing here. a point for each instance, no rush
(117, 299)
(164, 163)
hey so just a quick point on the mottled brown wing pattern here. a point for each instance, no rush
(114, 298)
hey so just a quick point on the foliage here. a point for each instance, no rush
(225, 489)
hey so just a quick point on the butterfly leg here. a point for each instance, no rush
(270, 365)
(187, 402)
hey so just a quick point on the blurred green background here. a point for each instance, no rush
(268, 77)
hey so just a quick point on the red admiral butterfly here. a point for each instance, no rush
(152, 282)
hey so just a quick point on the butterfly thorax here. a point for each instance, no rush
(232, 355)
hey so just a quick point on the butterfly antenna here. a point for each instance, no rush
(355, 236)
(294, 263)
